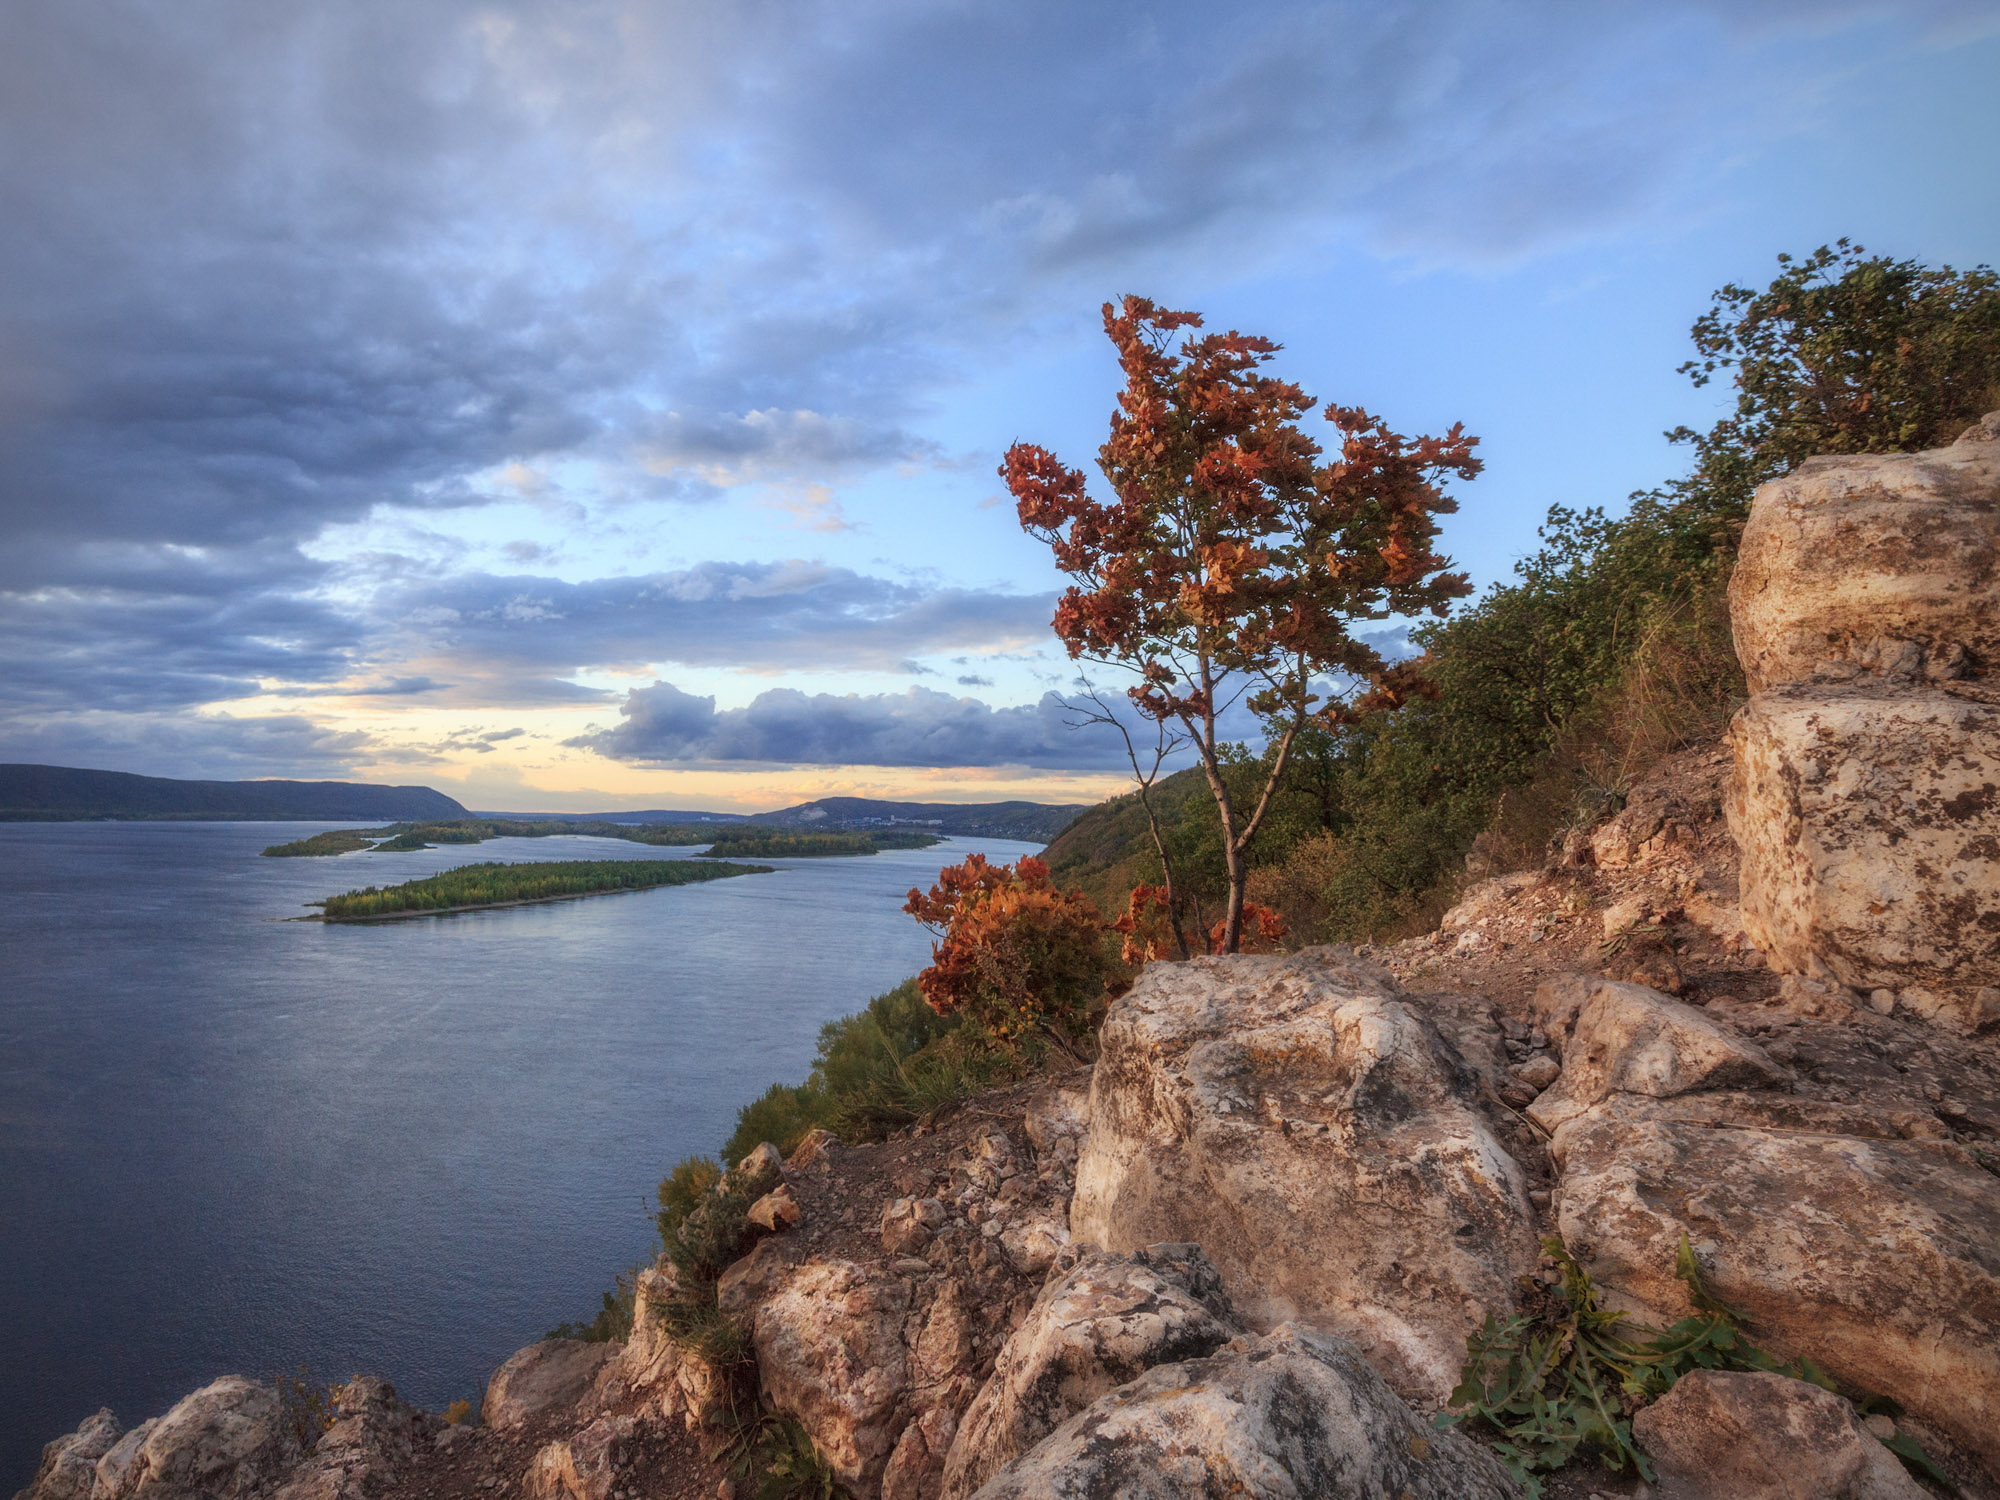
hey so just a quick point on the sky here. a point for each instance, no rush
(597, 405)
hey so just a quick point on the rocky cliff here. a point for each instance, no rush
(1737, 1045)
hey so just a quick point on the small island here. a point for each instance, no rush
(334, 841)
(474, 887)
(760, 844)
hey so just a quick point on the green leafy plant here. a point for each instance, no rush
(781, 1458)
(1565, 1374)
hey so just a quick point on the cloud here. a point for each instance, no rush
(915, 728)
(274, 270)
(761, 616)
(198, 746)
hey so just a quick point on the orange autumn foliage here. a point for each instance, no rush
(1018, 956)
(1148, 932)
(1231, 559)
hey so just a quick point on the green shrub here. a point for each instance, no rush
(888, 1065)
(613, 1323)
(682, 1190)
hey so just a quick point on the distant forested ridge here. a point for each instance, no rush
(64, 794)
(768, 843)
(1031, 822)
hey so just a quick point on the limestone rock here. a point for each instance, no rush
(753, 1277)
(1632, 1040)
(648, 1357)
(1107, 1320)
(1057, 1115)
(542, 1380)
(1738, 1436)
(584, 1465)
(69, 1464)
(227, 1440)
(1539, 1071)
(1869, 821)
(1649, 821)
(830, 1354)
(815, 1150)
(1876, 1258)
(1845, 551)
(1297, 1414)
(1032, 1245)
(375, 1436)
(1320, 1140)
(765, 1161)
(1486, 900)
(115, 1474)
(916, 1467)
(908, 1224)
(776, 1210)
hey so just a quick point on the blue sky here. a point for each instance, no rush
(598, 404)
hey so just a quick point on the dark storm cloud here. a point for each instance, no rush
(762, 616)
(185, 744)
(267, 268)
(915, 728)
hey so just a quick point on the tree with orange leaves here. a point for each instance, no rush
(1231, 560)
(1019, 956)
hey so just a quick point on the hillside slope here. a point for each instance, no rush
(62, 794)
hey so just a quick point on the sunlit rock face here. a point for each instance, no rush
(1866, 799)
(1321, 1140)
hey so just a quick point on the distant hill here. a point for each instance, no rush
(1108, 849)
(644, 815)
(62, 794)
(1032, 822)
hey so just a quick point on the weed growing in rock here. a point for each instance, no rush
(305, 1406)
(1565, 1374)
(613, 1323)
(778, 1454)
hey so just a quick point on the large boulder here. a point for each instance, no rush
(1298, 1415)
(830, 1354)
(1108, 1319)
(1866, 798)
(69, 1464)
(547, 1379)
(1628, 1039)
(228, 1440)
(1321, 1141)
(1731, 1435)
(1879, 1259)
(1845, 551)
(1869, 820)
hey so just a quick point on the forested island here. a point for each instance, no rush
(471, 887)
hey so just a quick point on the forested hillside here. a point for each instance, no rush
(1611, 645)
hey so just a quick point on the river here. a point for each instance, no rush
(231, 1143)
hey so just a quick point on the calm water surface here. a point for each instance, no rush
(230, 1143)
